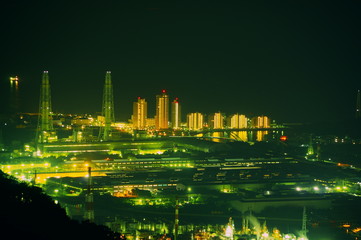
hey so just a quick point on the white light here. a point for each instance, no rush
(229, 231)
(265, 235)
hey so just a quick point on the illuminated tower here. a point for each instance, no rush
(218, 121)
(304, 230)
(238, 121)
(195, 121)
(358, 106)
(140, 114)
(176, 114)
(261, 122)
(45, 124)
(162, 111)
(108, 109)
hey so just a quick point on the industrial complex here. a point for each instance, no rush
(160, 178)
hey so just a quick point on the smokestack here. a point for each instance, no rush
(89, 199)
(176, 221)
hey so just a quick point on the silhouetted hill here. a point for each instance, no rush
(27, 213)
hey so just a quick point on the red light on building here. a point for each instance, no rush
(343, 165)
(283, 138)
(164, 91)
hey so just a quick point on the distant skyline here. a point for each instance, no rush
(294, 61)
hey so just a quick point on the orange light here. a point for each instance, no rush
(283, 138)
(14, 79)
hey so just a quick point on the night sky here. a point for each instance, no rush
(295, 61)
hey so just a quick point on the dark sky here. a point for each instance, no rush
(292, 60)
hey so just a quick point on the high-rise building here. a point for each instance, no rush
(238, 121)
(261, 122)
(218, 121)
(176, 114)
(139, 114)
(162, 111)
(195, 121)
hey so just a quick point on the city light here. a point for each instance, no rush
(246, 112)
(283, 138)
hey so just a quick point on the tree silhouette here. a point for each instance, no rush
(27, 213)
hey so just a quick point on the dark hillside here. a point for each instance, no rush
(27, 213)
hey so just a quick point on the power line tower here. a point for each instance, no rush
(45, 130)
(358, 106)
(107, 109)
(304, 223)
